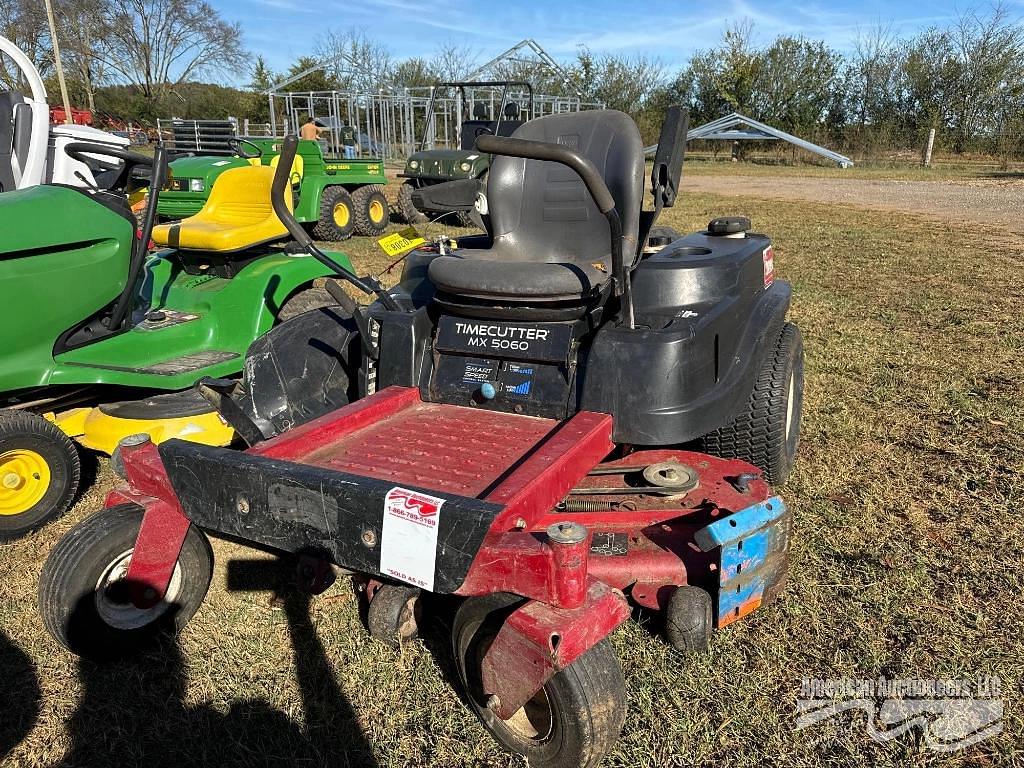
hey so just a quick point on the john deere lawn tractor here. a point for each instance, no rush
(430, 167)
(334, 197)
(99, 339)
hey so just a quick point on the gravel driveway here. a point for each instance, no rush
(996, 204)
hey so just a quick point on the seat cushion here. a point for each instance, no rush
(478, 274)
(238, 214)
(216, 236)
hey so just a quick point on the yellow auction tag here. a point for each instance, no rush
(399, 242)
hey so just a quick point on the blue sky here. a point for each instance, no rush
(282, 30)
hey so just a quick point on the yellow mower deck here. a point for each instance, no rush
(102, 427)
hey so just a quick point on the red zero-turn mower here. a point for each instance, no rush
(521, 409)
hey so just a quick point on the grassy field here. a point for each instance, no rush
(907, 561)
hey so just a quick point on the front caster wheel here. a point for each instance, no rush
(39, 473)
(572, 721)
(393, 614)
(688, 619)
(83, 596)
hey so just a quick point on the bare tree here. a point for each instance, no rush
(23, 22)
(454, 62)
(82, 27)
(158, 44)
(354, 61)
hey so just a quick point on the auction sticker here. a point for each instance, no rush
(408, 545)
(399, 242)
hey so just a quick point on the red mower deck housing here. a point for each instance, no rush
(510, 503)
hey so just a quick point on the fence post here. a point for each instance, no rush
(928, 148)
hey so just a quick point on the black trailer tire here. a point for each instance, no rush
(409, 212)
(393, 614)
(688, 619)
(767, 432)
(81, 587)
(371, 210)
(572, 722)
(337, 215)
(39, 473)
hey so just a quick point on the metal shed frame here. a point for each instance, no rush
(737, 127)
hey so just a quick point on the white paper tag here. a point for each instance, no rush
(408, 546)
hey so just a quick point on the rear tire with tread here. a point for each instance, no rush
(78, 612)
(365, 202)
(767, 432)
(409, 212)
(329, 227)
(303, 300)
(26, 440)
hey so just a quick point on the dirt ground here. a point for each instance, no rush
(995, 203)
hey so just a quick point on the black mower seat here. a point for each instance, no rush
(550, 242)
(491, 278)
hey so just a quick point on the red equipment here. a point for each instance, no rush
(571, 534)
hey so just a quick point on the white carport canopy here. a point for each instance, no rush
(737, 127)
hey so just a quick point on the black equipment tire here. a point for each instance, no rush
(337, 215)
(303, 300)
(582, 707)
(409, 212)
(101, 623)
(371, 210)
(669, 232)
(767, 432)
(30, 448)
(688, 619)
(393, 614)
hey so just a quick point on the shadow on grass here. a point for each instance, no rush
(133, 712)
(20, 698)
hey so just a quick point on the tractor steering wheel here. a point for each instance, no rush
(81, 151)
(235, 145)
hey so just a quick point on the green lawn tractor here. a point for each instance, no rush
(99, 339)
(335, 197)
(430, 167)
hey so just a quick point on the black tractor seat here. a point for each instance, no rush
(485, 275)
(550, 243)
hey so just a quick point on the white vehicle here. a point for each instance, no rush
(32, 151)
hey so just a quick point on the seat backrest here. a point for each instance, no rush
(8, 102)
(541, 211)
(297, 167)
(238, 214)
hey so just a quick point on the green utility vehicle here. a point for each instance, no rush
(336, 197)
(429, 167)
(99, 339)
